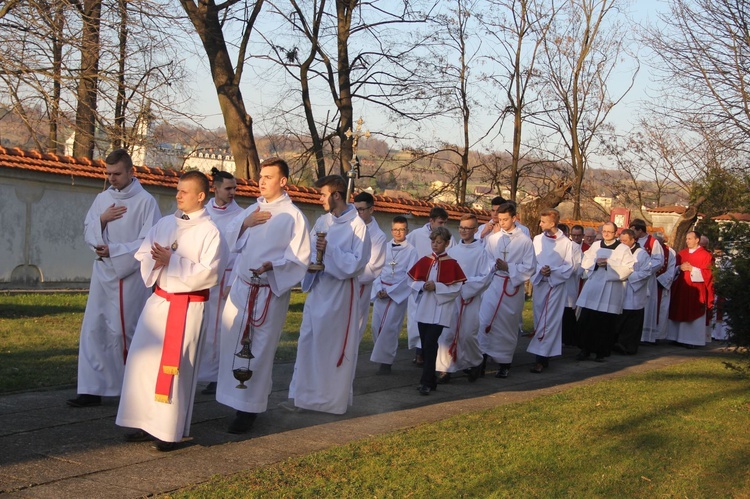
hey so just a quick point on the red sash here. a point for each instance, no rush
(169, 366)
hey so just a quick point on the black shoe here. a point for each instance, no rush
(599, 358)
(618, 348)
(474, 373)
(210, 389)
(503, 372)
(163, 446)
(242, 422)
(138, 436)
(384, 369)
(483, 366)
(582, 356)
(537, 369)
(84, 400)
(424, 390)
(443, 378)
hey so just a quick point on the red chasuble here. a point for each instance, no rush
(448, 270)
(691, 299)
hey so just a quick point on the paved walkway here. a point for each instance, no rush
(48, 449)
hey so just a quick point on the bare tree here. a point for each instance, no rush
(519, 28)
(581, 51)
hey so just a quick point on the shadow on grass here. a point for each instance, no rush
(32, 311)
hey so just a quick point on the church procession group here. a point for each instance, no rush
(202, 295)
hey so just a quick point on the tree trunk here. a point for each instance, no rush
(58, 24)
(344, 9)
(118, 139)
(239, 124)
(85, 125)
(529, 212)
(685, 225)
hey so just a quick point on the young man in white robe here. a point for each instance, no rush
(420, 240)
(656, 255)
(608, 264)
(272, 241)
(664, 279)
(492, 227)
(458, 345)
(390, 293)
(115, 225)
(630, 323)
(222, 209)
(326, 352)
(181, 258)
(365, 205)
(502, 304)
(554, 266)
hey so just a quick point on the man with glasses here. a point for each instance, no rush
(609, 264)
(390, 292)
(458, 346)
(365, 205)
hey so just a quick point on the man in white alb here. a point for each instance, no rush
(115, 226)
(272, 240)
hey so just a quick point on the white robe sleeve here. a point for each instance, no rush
(641, 272)
(122, 254)
(344, 261)
(204, 273)
(620, 265)
(290, 270)
(477, 284)
(562, 272)
(377, 259)
(520, 272)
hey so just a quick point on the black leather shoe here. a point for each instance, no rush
(424, 390)
(443, 378)
(210, 389)
(503, 372)
(84, 400)
(242, 422)
(384, 369)
(473, 373)
(537, 369)
(163, 446)
(138, 436)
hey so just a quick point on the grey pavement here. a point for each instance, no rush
(48, 449)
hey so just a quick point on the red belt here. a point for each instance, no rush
(174, 333)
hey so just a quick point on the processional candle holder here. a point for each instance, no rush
(318, 266)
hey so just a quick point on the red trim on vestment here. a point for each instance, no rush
(122, 325)
(448, 270)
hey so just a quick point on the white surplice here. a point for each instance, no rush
(420, 240)
(478, 265)
(209, 362)
(388, 313)
(604, 288)
(549, 292)
(325, 365)
(502, 304)
(664, 282)
(284, 240)
(371, 272)
(198, 253)
(636, 292)
(116, 293)
(650, 312)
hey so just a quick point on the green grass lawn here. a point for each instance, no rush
(39, 338)
(675, 432)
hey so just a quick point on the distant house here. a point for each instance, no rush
(666, 216)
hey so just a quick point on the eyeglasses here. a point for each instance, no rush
(466, 228)
(398, 230)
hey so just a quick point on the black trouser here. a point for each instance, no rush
(569, 327)
(596, 331)
(630, 329)
(428, 335)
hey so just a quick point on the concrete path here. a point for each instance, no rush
(48, 449)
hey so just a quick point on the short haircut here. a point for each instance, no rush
(220, 176)
(199, 177)
(119, 156)
(364, 197)
(589, 230)
(497, 200)
(279, 163)
(400, 219)
(509, 208)
(629, 232)
(551, 212)
(577, 227)
(564, 228)
(438, 212)
(638, 224)
(335, 182)
(614, 225)
(441, 232)
(469, 216)
(697, 234)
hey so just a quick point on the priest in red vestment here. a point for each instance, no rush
(692, 294)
